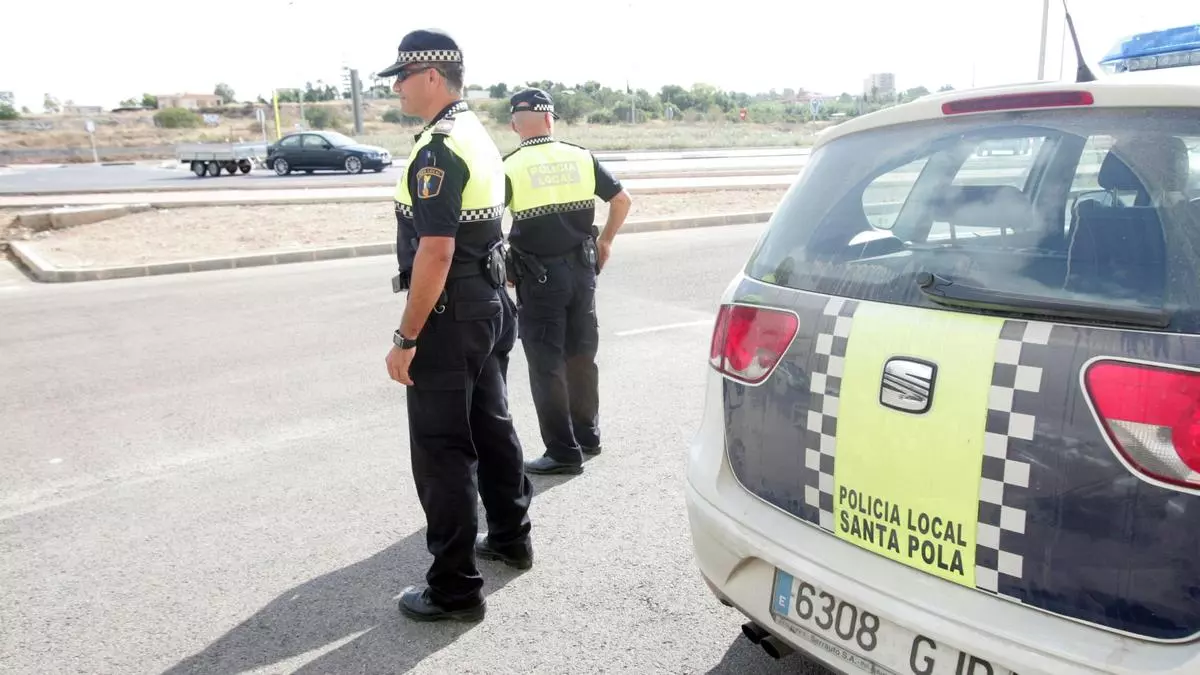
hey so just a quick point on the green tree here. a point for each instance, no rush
(225, 92)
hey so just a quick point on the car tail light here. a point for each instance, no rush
(1039, 99)
(1152, 415)
(748, 342)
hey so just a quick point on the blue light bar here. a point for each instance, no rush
(1170, 48)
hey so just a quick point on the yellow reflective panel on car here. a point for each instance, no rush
(910, 434)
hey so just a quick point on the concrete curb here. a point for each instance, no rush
(43, 271)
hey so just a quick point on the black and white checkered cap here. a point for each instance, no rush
(424, 46)
(532, 100)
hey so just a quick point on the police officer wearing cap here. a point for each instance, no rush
(452, 347)
(556, 253)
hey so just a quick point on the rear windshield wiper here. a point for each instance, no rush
(946, 292)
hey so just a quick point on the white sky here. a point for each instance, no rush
(100, 52)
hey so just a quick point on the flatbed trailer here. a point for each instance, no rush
(207, 159)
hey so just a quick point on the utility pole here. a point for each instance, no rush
(356, 101)
(1045, 28)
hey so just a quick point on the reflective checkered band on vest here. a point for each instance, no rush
(536, 141)
(550, 209)
(432, 55)
(467, 216)
(475, 215)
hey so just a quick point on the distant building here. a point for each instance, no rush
(189, 101)
(880, 85)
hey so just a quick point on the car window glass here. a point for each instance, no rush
(884, 196)
(314, 142)
(987, 201)
(290, 142)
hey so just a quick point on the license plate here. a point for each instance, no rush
(864, 642)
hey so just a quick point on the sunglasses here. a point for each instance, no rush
(405, 74)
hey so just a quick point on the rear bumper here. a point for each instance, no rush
(739, 540)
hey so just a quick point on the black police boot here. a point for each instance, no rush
(545, 465)
(416, 604)
(591, 452)
(521, 560)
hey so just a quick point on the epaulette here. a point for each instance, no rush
(443, 127)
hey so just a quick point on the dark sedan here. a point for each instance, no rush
(310, 151)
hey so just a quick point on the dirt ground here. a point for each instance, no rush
(166, 235)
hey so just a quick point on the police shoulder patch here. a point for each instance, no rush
(444, 126)
(429, 182)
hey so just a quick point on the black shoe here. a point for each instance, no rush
(548, 465)
(591, 452)
(483, 549)
(416, 605)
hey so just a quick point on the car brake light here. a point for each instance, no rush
(748, 341)
(1039, 99)
(1152, 415)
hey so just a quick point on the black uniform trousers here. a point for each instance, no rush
(462, 437)
(560, 335)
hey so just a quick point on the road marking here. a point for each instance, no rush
(669, 326)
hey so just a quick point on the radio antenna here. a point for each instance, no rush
(1082, 72)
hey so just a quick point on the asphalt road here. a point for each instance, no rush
(168, 175)
(208, 474)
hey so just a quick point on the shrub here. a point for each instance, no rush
(177, 118)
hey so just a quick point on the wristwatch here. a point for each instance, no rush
(403, 342)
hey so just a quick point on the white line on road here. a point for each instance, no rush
(669, 326)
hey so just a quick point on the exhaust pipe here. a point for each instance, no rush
(775, 647)
(754, 632)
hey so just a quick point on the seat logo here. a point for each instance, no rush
(908, 385)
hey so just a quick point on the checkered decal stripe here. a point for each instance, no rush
(431, 56)
(1008, 437)
(820, 447)
(550, 209)
(466, 216)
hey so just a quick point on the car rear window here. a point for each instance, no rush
(1089, 208)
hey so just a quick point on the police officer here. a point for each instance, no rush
(452, 347)
(555, 254)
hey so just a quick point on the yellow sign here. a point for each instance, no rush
(906, 484)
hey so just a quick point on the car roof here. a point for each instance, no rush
(1152, 91)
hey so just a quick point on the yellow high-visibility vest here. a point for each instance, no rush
(483, 195)
(550, 177)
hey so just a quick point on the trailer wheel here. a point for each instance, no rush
(231, 167)
(214, 169)
(243, 165)
(199, 169)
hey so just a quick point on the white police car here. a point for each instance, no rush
(952, 423)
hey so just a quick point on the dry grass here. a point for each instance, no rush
(163, 235)
(133, 135)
